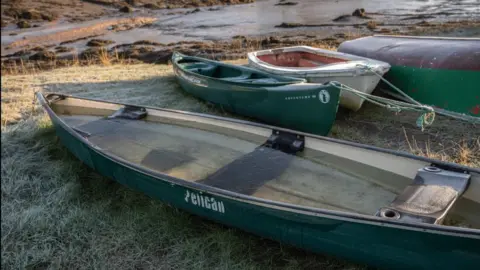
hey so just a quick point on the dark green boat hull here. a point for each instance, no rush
(289, 105)
(355, 239)
(441, 72)
(414, 81)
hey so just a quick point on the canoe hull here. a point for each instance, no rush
(441, 72)
(301, 106)
(345, 72)
(353, 239)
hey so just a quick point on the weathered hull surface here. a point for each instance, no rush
(442, 72)
(321, 66)
(302, 106)
(357, 239)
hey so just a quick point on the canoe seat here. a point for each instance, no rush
(429, 198)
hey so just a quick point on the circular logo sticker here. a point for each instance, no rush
(324, 96)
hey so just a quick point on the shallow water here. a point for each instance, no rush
(262, 17)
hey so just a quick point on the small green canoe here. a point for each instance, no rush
(278, 100)
(370, 205)
(438, 71)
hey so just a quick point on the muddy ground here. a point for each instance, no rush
(52, 33)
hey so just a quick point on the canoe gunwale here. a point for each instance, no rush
(332, 214)
(178, 56)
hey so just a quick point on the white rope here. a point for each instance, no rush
(427, 117)
(454, 115)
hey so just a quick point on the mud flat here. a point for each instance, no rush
(149, 31)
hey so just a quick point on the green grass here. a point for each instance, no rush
(58, 214)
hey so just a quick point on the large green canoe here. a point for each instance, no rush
(274, 99)
(442, 72)
(370, 205)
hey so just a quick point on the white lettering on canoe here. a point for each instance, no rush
(300, 97)
(324, 96)
(191, 78)
(204, 202)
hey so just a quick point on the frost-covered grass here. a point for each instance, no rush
(59, 214)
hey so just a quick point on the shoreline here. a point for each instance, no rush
(150, 33)
(98, 50)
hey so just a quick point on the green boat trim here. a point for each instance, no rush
(376, 240)
(272, 99)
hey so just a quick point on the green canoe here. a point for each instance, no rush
(370, 205)
(438, 71)
(273, 99)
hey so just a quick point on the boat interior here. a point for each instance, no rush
(299, 59)
(229, 73)
(276, 165)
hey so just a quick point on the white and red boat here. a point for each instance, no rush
(320, 66)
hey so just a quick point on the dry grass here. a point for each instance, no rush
(101, 56)
(372, 25)
(58, 214)
(447, 139)
(440, 28)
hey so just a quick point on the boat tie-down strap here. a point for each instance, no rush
(130, 112)
(429, 198)
(248, 173)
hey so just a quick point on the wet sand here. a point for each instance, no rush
(221, 29)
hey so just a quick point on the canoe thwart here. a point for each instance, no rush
(286, 142)
(130, 112)
(429, 198)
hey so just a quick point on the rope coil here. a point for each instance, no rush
(428, 113)
(454, 115)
